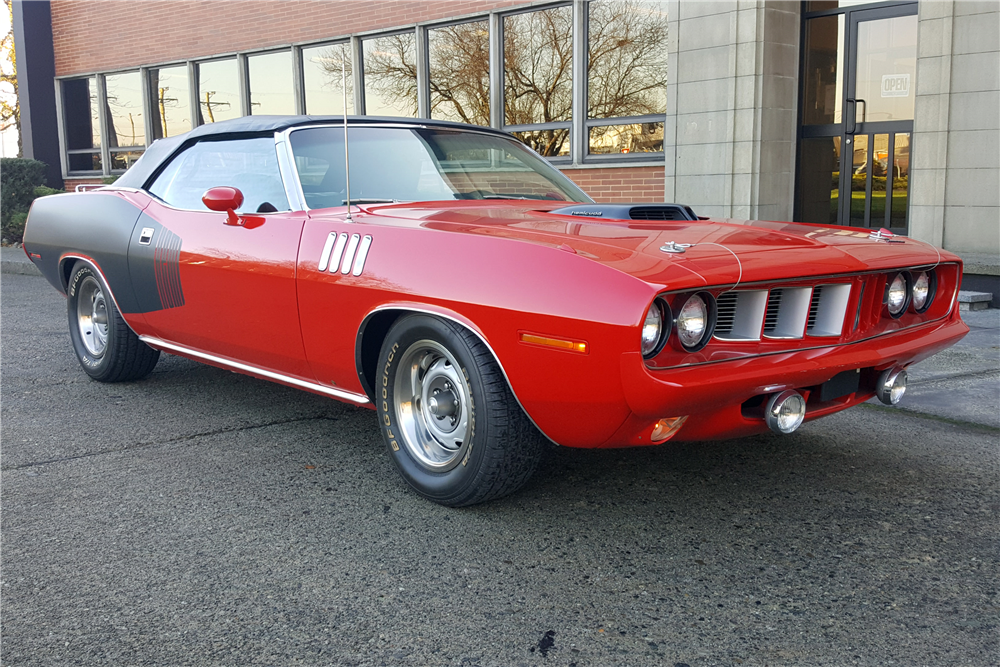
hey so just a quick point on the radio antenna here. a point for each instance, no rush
(347, 160)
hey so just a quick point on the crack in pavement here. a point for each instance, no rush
(937, 418)
(171, 441)
(955, 376)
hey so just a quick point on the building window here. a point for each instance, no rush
(170, 101)
(271, 83)
(82, 124)
(390, 75)
(125, 119)
(218, 91)
(324, 69)
(626, 76)
(459, 66)
(538, 78)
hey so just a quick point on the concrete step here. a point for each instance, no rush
(974, 300)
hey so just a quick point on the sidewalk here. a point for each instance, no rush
(961, 384)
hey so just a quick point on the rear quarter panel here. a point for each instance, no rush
(94, 225)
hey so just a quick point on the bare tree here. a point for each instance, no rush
(460, 73)
(390, 71)
(10, 109)
(627, 68)
(538, 75)
(335, 63)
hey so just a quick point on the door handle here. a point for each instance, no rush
(853, 113)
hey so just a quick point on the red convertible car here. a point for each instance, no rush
(476, 298)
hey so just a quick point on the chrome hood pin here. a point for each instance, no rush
(674, 248)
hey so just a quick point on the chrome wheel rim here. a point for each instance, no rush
(92, 316)
(432, 401)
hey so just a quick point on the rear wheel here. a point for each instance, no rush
(451, 423)
(106, 347)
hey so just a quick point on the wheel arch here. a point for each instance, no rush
(67, 264)
(375, 326)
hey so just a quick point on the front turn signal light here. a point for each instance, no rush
(557, 343)
(666, 428)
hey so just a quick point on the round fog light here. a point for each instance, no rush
(785, 411)
(891, 386)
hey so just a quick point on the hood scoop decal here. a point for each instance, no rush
(629, 211)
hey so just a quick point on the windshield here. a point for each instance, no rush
(422, 164)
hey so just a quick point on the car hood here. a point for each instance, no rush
(715, 252)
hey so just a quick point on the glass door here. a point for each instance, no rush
(856, 117)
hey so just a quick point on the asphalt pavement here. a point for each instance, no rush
(201, 517)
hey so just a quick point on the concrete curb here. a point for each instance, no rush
(13, 260)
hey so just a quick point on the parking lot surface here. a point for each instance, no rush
(201, 517)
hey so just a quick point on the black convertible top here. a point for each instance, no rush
(162, 150)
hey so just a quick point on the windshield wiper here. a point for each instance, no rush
(511, 195)
(483, 194)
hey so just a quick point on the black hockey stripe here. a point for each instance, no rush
(166, 266)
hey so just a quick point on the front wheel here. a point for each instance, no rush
(106, 347)
(451, 424)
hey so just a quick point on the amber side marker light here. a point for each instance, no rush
(558, 343)
(666, 429)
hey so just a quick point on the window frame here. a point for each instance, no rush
(572, 159)
(298, 62)
(65, 152)
(420, 56)
(246, 92)
(277, 138)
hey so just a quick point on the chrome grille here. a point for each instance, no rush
(726, 314)
(827, 310)
(813, 309)
(740, 314)
(773, 306)
(783, 312)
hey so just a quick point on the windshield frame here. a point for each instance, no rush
(286, 159)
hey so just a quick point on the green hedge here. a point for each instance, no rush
(21, 182)
(18, 179)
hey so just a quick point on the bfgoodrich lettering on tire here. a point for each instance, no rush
(105, 346)
(451, 423)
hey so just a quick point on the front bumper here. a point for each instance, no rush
(714, 395)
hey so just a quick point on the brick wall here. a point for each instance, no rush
(623, 185)
(100, 35)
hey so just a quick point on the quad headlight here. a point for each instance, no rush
(695, 321)
(897, 297)
(923, 291)
(655, 328)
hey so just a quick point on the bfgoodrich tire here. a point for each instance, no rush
(108, 350)
(450, 422)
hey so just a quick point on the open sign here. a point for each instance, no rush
(895, 85)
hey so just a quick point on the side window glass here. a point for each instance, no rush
(248, 164)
